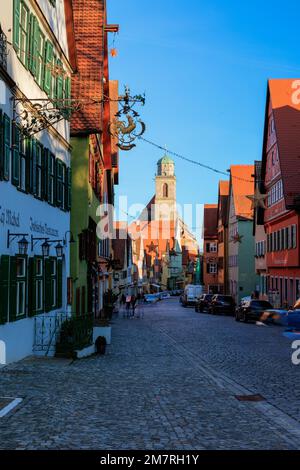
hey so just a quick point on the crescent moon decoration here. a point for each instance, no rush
(126, 126)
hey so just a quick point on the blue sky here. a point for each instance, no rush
(204, 67)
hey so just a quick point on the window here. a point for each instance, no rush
(282, 239)
(165, 190)
(39, 285)
(212, 268)
(21, 286)
(213, 247)
(275, 193)
(286, 238)
(294, 236)
(289, 237)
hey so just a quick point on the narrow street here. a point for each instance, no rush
(168, 381)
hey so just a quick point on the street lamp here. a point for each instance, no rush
(71, 239)
(22, 243)
(45, 249)
(59, 250)
(23, 246)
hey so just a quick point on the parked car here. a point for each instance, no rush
(191, 294)
(222, 304)
(203, 302)
(165, 295)
(252, 310)
(151, 298)
(176, 292)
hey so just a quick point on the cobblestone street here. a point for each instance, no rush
(168, 381)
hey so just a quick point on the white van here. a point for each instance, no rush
(192, 292)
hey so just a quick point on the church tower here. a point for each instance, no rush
(165, 189)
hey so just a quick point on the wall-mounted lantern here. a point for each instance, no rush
(22, 243)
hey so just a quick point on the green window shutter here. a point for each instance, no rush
(33, 44)
(59, 283)
(13, 289)
(16, 156)
(68, 189)
(45, 176)
(16, 25)
(33, 166)
(4, 288)
(6, 150)
(59, 84)
(1, 145)
(31, 287)
(29, 164)
(48, 66)
(67, 104)
(59, 185)
(47, 285)
(53, 91)
(52, 157)
(68, 88)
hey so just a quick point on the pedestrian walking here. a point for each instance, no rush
(133, 304)
(128, 303)
(140, 306)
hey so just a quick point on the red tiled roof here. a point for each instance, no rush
(87, 82)
(210, 220)
(242, 181)
(286, 110)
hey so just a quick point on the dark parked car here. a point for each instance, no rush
(222, 304)
(252, 310)
(203, 303)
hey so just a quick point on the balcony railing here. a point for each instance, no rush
(3, 49)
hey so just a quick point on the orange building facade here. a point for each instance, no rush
(281, 150)
(210, 251)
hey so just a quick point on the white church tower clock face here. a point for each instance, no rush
(165, 185)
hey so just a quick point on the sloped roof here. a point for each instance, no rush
(286, 110)
(210, 220)
(242, 181)
(87, 84)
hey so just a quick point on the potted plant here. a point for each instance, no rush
(100, 344)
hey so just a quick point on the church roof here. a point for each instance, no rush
(165, 159)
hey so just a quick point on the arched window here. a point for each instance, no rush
(165, 190)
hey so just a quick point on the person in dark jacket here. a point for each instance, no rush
(133, 304)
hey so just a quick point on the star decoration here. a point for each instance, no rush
(237, 238)
(152, 247)
(257, 199)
